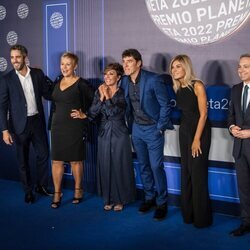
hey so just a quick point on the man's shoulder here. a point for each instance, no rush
(9, 74)
(149, 75)
(237, 86)
(36, 71)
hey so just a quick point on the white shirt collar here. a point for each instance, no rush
(20, 75)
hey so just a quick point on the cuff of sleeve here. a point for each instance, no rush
(230, 128)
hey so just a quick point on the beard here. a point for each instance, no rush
(19, 66)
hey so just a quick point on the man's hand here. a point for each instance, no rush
(243, 134)
(7, 137)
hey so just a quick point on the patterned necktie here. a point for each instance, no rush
(244, 103)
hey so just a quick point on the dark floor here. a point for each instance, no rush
(87, 226)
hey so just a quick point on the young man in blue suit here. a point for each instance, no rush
(148, 113)
(239, 126)
(22, 118)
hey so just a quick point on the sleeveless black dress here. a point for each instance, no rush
(195, 202)
(67, 134)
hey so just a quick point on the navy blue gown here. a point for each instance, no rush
(115, 174)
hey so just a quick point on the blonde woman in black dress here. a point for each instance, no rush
(194, 138)
(71, 96)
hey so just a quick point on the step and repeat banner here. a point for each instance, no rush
(214, 33)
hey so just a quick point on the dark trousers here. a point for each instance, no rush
(195, 202)
(242, 165)
(34, 134)
(148, 143)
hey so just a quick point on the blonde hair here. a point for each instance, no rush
(189, 77)
(72, 56)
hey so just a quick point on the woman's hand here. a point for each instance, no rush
(107, 92)
(77, 114)
(196, 148)
(104, 92)
(101, 93)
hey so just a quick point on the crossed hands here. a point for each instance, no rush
(240, 133)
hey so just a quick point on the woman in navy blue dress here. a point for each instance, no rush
(115, 174)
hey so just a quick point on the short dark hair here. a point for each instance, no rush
(244, 55)
(114, 66)
(21, 48)
(133, 53)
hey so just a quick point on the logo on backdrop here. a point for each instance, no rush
(3, 64)
(12, 38)
(56, 20)
(198, 22)
(23, 10)
(2, 12)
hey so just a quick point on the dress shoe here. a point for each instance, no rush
(146, 206)
(241, 230)
(29, 198)
(43, 191)
(160, 212)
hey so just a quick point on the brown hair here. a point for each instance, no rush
(21, 48)
(114, 66)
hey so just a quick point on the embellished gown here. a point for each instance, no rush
(115, 174)
(195, 202)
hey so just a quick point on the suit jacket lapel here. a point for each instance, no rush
(142, 86)
(238, 96)
(35, 84)
(18, 84)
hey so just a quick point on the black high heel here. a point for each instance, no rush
(56, 204)
(77, 200)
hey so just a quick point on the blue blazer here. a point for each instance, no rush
(13, 103)
(154, 99)
(235, 117)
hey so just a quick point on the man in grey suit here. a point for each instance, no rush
(22, 118)
(239, 126)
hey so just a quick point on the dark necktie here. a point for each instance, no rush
(244, 103)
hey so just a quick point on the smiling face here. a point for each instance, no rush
(68, 66)
(244, 69)
(131, 66)
(111, 77)
(177, 71)
(17, 60)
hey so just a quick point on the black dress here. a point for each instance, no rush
(115, 174)
(67, 134)
(195, 202)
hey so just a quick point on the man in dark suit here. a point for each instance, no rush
(22, 118)
(148, 113)
(239, 126)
